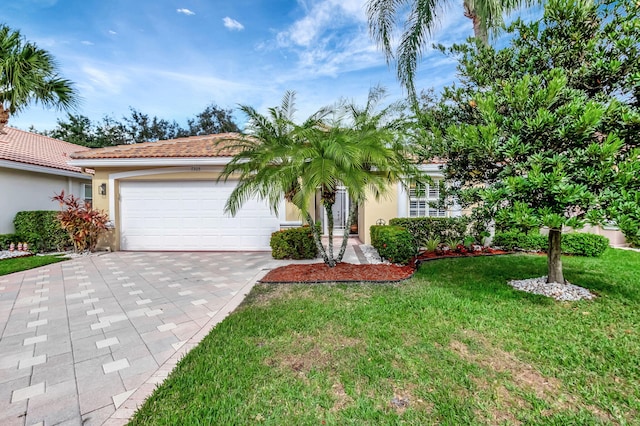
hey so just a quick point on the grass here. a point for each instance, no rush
(17, 264)
(453, 345)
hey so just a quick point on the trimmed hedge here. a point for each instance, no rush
(581, 244)
(293, 243)
(393, 243)
(514, 240)
(578, 243)
(41, 229)
(423, 229)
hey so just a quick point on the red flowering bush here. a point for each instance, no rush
(83, 224)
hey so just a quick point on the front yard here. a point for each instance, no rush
(453, 345)
(17, 264)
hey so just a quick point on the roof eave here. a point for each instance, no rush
(143, 162)
(42, 169)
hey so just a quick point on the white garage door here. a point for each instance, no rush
(188, 215)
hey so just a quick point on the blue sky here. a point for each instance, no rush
(172, 58)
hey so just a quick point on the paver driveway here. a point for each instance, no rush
(84, 341)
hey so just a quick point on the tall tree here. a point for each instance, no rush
(264, 164)
(28, 75)
(139, 127)
(421, 19)
(212, 120)
(77, 129)
(545, 132)
(281, 158)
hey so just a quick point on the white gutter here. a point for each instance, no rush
(42, 169)
(142, 162)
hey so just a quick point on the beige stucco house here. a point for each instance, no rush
(164, 196)
(33, 168)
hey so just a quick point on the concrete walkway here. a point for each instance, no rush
(84, 342)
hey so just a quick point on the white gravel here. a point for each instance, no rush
(371, 254)
(6, 254)
(563, 292)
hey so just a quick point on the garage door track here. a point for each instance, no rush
(85, 341)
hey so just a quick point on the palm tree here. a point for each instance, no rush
(362, 160)
(279, 157)
(29, 74)
(420, 23)
(264, 163)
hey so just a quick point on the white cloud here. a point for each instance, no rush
(186, 12)
(232, 24)
(321, 17)
(102, 81)
(87, 42)
(112, 32)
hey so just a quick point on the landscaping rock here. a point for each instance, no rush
(6, 254)
(562, 292)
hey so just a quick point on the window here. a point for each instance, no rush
(87, 193)
(419, 198)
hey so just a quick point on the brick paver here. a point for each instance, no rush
(85, 341)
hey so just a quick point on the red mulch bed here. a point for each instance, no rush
(431, 255)
(348, 272)
(342, 272)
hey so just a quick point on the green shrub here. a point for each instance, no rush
(393, 243)
(515, 240)
(294, 243)
(423, 229)
(7, 239)
(581, 244)
(41, 229)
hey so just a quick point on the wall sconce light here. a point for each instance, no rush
(102, 189)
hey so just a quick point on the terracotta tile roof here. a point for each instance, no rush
(33, 149)
(218, 145)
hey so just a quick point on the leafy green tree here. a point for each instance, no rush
(29, 75)
(212, 120)
(544, 131)
(139, 127)
(78, 129)
(420, 22)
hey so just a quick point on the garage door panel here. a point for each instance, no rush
(188, 215)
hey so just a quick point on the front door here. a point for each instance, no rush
(340, 212)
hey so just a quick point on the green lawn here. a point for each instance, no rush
(453, 345)
(17, 264)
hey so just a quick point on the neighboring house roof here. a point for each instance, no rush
(26, 150)
(189, 147)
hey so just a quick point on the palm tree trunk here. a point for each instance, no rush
(345, 236)
(479, 30)
(4, 118)
(317, 238)
(329, 208)
(554, 258)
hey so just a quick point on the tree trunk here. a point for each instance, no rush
(4, 118)
(554, 259)
(329, 208)
(316, 238)
(479, 30)
(345, 236)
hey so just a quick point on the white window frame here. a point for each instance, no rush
(419, 200)
(84, 193)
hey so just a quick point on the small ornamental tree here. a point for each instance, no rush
(544, 132)
(81, 221)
